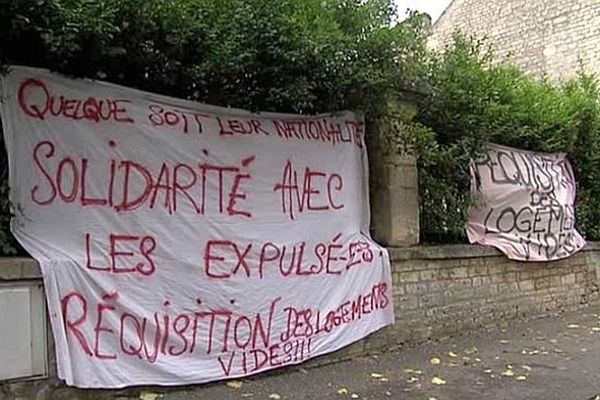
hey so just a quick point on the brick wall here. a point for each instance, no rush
(438, 291)
(447, 289)
(441, 291)
(540, 36)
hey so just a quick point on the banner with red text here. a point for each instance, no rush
(184, 243)
(524, 204)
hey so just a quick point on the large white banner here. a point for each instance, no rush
(524, 204)
(183, 243)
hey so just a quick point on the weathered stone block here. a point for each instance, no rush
(427, 275)
(478, 270)
(542, 283)
(459, 273)
(395, 189)
(526, 286)
(412, 276)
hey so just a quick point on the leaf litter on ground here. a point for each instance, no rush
(146, 395)
(436, 380)
(234, 384)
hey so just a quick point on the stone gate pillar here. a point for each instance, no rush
(394, 188)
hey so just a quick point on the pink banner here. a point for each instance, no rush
(184, 243)
(524, 204)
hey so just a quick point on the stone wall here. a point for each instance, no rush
(394, 187)
(540, 36)
(439, 291)
(442, 291)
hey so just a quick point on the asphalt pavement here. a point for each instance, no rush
(551, 358)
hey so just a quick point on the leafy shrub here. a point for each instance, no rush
(301, 56)
(472, 101)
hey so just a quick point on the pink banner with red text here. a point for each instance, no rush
(524, 204)
(185, 243)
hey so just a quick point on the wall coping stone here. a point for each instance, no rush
(454, 251)
(22, 268)
(18, 269)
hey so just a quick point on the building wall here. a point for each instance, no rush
(438, 291)
(540, 36)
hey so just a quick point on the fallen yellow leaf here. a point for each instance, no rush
(149, 395)
(342, 391)
(521, 378)
(354, 396)
(408, 370)
(376, 375)
(435, 361)
(235, 384)
(452, 354)
(526, 367)
(487, 371)
(471, 350)
(384, 380)
(596, 328)
(436, 380)
(418, 371)
(508, 372)
(572, 326)
(412, 379)
(274, 396)
(503, 341)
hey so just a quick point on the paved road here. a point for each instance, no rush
(555, 358)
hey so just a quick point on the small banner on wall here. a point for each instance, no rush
(524, 204)
(183, 243)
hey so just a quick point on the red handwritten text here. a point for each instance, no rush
(129, 185)
(224, 259)
(184, 121)
(239, 343)
(126, 254)
(229, 126)
(37, 101)
(163, 333)
(320, 130)
(316, 191)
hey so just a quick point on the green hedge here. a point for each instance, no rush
(300, 56)
(307, 56)
(472, 101)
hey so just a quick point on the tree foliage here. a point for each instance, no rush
(309, 56)
(472, 101)
(301, 56)
(287, 55)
